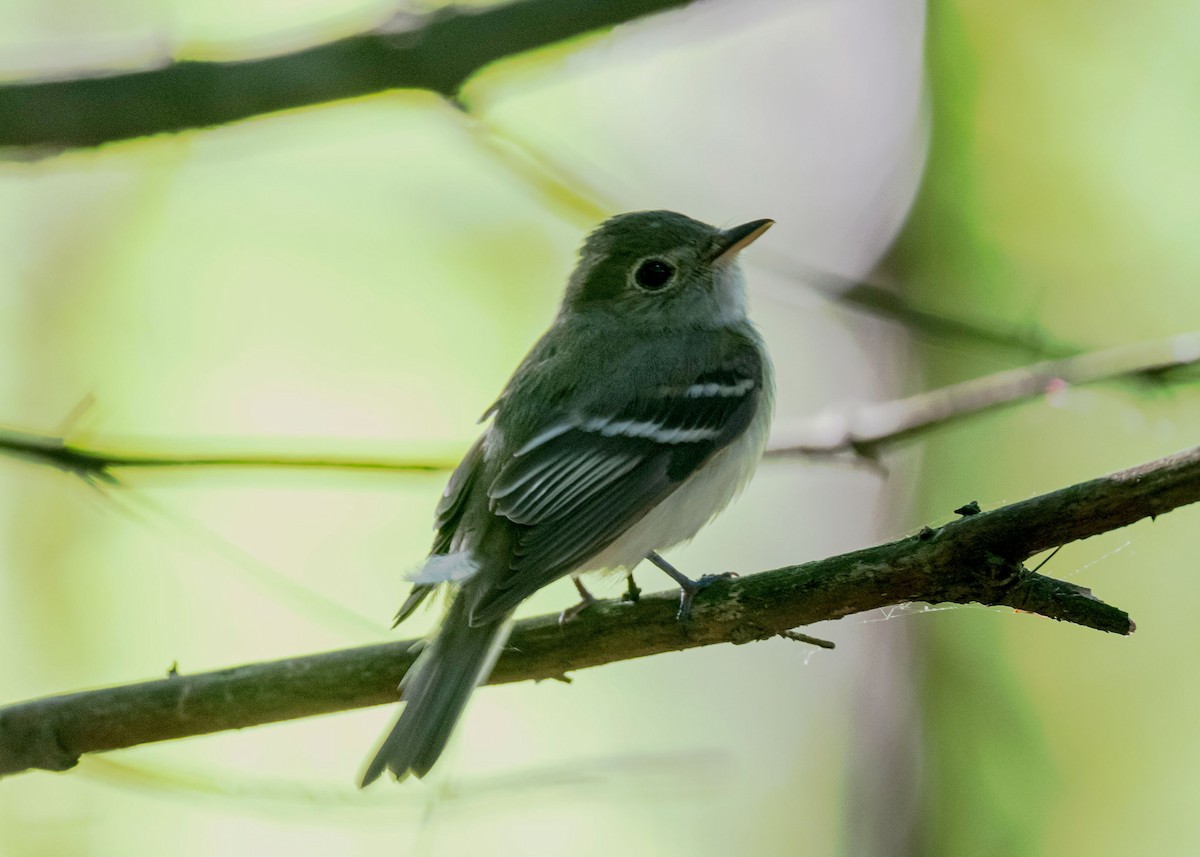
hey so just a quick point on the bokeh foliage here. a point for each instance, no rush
(363, 275)
(1059, 195)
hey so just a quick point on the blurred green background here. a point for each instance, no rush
(361, 277)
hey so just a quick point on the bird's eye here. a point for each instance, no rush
(653, 274)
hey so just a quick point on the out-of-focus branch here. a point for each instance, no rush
(96, 464)
(866, 429)
(437, 51)
(884, 303)
(874, 298)
(975, 559)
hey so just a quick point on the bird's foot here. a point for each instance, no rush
(586, 600)
(688, 588)
(633, 593)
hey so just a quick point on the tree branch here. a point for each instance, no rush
(97, 464)
(872, 296)
(976, 559)
(866, 429)
(881, 302)
(438, 52)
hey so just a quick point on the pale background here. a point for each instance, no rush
(361, 277)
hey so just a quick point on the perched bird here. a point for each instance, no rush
(634, 420)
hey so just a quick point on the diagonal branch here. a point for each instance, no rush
(438, 52)
(874, 298)
(976, 559)
(865, 430)
(881, 302)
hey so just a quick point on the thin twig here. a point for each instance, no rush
(974, 559)
(1049, 557)
(807, 638)
(865, 430)
(95, 463)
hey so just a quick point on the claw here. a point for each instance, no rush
(688, 592)
(688, 588)
(586, 600)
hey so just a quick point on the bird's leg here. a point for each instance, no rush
(688, 588)
(586, 600)
(633, 593)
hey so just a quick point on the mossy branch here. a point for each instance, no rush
(976, 559)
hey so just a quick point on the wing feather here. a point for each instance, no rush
(450, 510)
(585, 479)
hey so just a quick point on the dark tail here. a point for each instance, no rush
(414, 600)
(436, 691)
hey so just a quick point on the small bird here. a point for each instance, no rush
(632, 422)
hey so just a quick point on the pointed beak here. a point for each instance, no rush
(732, 241)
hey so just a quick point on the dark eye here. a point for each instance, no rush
(653, 274)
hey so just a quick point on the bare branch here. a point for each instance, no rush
(438, 52)
(866, 429)
(807, 638)
(975, 559)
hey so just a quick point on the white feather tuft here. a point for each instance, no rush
(445, 568)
